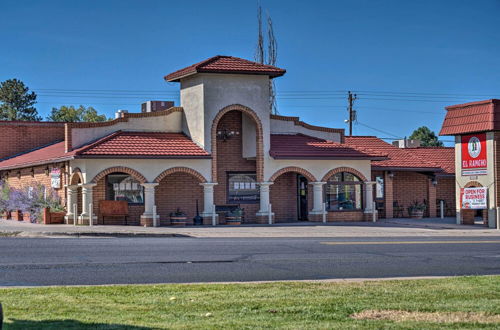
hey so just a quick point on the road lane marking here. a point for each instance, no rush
(409, 242)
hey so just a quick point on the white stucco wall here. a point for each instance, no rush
(192, 101)
(249, 137)
(210, 93)
(150, 168)
(485, 180)
(289, 127)
(169, 123)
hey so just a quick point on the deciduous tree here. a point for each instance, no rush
(427, 137)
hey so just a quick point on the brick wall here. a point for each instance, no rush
(445, 189)
(33, 175)
(18, 137)
(408, 187)
(341, 216)
(229, 159)
(178, 190)
(284, 198)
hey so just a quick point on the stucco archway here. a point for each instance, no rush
(299, 170)
(76, 177)
(138, 176)
(187, 170)
(344, 169)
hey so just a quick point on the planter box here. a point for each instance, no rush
(178, 221)
(52, 218)
(233, 221)
(16, 215)
(417, 214)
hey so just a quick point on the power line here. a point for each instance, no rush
(378, 130)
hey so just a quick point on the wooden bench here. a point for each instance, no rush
(113, 209)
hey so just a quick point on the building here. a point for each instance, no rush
(220, 148)
(476, 128)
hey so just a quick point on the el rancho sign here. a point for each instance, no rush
(474, 161)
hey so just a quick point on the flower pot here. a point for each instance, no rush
(179, 221)
(417, 214)
(16, 215)
(27, 216)
(53, 217)
(233, 221)
(5, 215)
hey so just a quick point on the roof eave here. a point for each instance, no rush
(141, 157)
(42, 162)
(406, 169)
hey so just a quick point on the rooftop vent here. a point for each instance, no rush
(406, 143)
(120, 113)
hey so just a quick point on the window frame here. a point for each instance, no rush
(229, 201)
(344, 183)
(107, 187)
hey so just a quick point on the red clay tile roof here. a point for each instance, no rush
(47, 154)
(226, 64)
(301, 146)
(402, 159)
(144, 145)
(116, 145)
(472, 117)
(444, 157)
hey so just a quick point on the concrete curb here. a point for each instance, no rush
(28, 234)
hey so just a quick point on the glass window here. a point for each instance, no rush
(344, 192)
(123, 187)
(242, 188)
(379, 187)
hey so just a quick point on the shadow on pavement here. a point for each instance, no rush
(65, 324)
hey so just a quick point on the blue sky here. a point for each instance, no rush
(406, 59)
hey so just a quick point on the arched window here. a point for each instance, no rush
(344, 192)
(124, 187)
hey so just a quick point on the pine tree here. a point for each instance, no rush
(17, 102)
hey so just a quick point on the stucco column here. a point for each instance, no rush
(149, 202)
(317, 196)
(208, 198)
(86, 200)
(71, 194)
(369, 196)
(264, 197)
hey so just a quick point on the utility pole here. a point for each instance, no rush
(352, 113)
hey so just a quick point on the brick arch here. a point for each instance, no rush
(473, 184)
(76, 176)
(138, 176)
(299, 170)
(187, 170)
(344, 169)
(260, 138)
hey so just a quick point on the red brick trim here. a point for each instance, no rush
(299, 170)
(187, 170)
(260, 139)
(125, 117)
(76, 176)
(298, 122)
(343, 169)
(138, 176)
(473, 184)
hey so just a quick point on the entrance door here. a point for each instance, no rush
(301, 198)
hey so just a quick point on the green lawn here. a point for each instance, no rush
(296, 305)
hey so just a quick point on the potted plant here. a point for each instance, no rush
(234, 217)
(416, 210)
(178, 218)
(52, 210)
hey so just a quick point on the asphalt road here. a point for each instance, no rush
(70, 261)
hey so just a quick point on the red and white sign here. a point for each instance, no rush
(474, 161)
(475, 198)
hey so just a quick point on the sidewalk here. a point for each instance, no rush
(383, 228)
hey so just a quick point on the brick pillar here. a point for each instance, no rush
(431, 198)
(389, 195)
(147, 219)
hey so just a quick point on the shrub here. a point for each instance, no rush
(4, 196)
